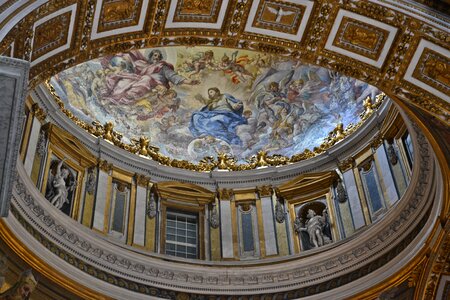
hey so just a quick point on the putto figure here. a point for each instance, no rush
(219, 117)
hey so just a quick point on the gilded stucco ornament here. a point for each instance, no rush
(105, 166)
(370, 107)
(38, 112)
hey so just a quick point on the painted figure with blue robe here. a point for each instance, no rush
(219, 117)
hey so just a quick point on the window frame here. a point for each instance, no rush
(186, 215)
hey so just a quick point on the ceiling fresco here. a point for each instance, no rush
(194, 102)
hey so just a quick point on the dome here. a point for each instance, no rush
(224, 149)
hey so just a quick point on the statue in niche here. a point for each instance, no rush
(315, 232)
(22, 289)
(60, 186)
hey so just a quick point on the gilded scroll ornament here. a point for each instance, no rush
(225, 194)
(105, 166)
(265, 191)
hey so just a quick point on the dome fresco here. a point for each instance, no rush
(200, 101)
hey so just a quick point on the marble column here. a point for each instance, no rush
(13, 87)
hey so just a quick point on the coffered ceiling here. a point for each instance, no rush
(398, 47)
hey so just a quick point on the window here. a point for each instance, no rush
(248, 231)
(181, 234)
(407, 142)
(372, 189)
(119, 209)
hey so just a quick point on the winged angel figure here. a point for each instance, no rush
(58, 195)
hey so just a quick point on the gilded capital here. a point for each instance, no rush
(105, 166)
(346, 164)
(142, 180)
(265, 191)
(38, 112)
(225, 194)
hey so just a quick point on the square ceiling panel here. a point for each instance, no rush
(197, 11)
(430, 69)
(286, 19)
(196, 14)
(114, 17)
(53, 33)
(362, 38)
